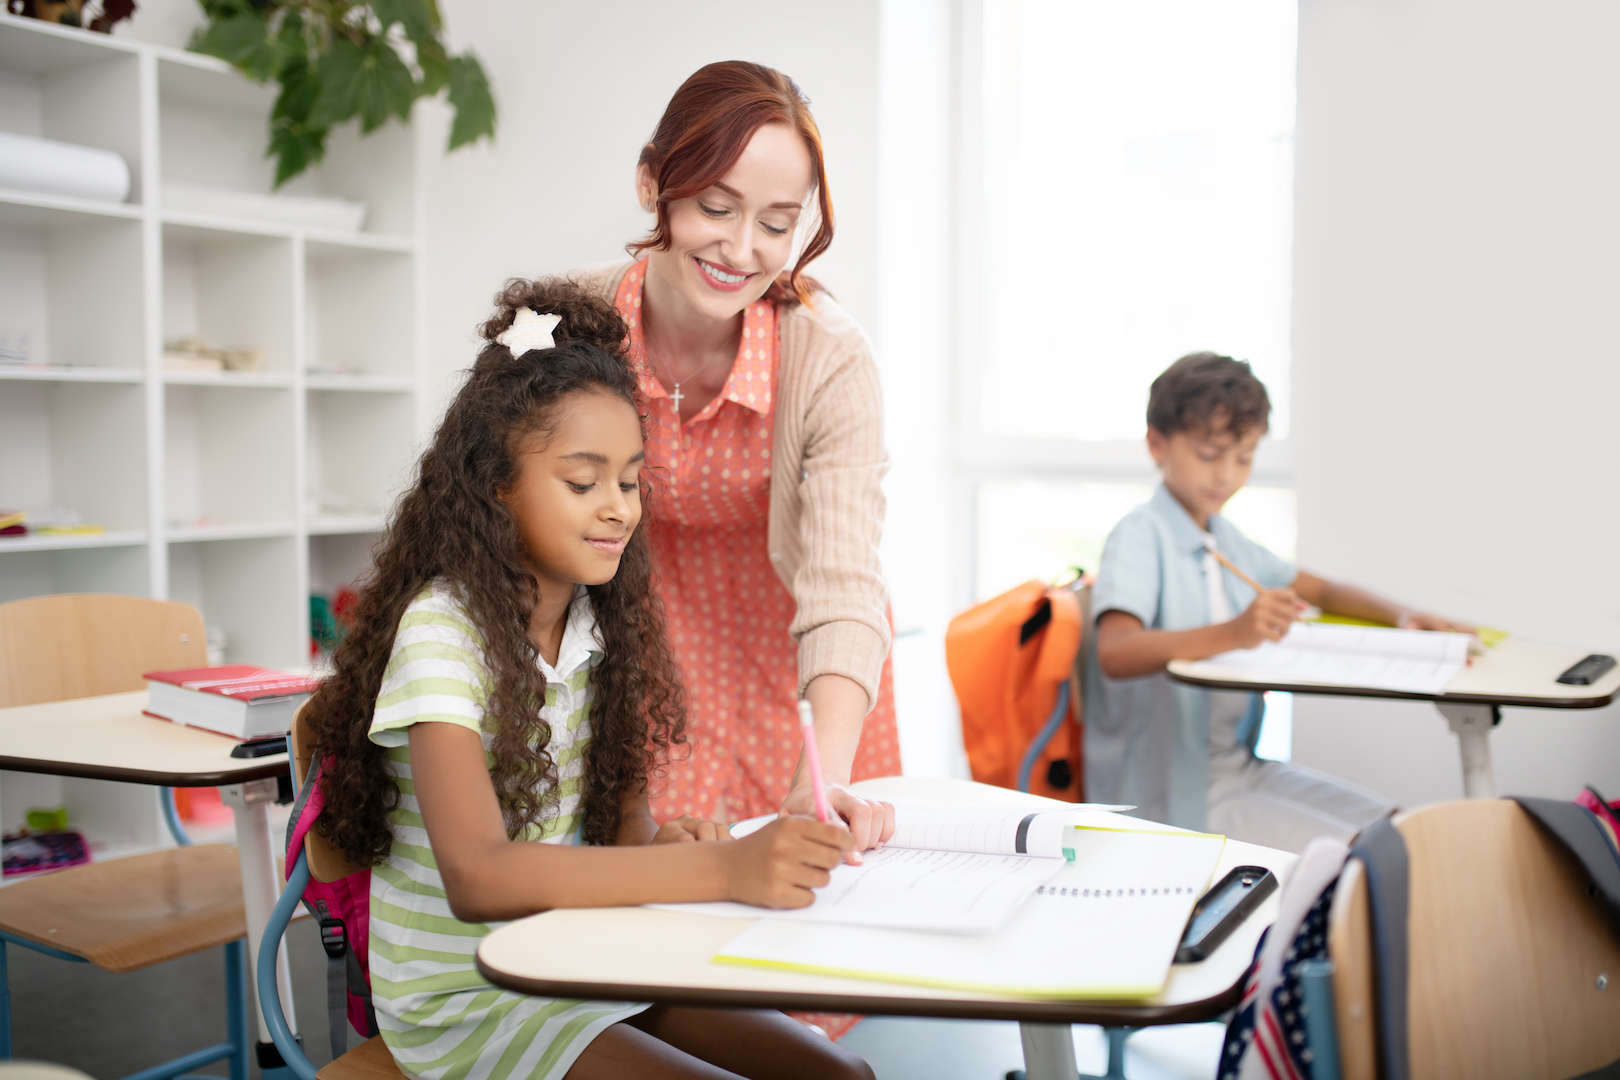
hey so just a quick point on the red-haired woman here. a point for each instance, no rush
(766, 445)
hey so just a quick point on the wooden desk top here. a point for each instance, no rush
(108, 738)
(1517, 673)
(641, 954)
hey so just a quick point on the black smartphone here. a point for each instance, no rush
(1222, 909)
(252, 748)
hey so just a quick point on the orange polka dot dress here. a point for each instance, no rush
(728, 611)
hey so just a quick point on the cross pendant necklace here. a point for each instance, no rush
(677, 397)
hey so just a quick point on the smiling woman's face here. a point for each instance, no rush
(728, 243)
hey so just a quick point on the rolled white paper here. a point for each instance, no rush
(58, 168)
(317, 212)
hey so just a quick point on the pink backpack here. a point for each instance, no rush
(343, 909)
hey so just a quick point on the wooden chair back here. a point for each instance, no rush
(326, 863)
(75, 645)
(1513, 969)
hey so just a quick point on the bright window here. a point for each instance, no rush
(1138, 176)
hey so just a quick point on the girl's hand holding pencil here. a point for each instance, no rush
(1267, 619)
(780, 865)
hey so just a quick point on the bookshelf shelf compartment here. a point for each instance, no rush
(232, 290)
(75, 568)
(50, 310)
(240, 586)
(228, 454)
(53, 437)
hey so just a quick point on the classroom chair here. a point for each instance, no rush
(134, 912)
(1512, 960)
(371, 1060)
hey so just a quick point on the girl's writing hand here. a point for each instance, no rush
(870, 821)
(686, 829)
(1267, 619)
(778, 866)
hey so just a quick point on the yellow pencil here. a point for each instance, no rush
(1241, 576)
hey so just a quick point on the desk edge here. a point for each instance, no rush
(1039, 1012)
(251, 769)
(1399, 695)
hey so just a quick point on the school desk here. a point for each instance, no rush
(641, 954)
(1518, 673)
(108, 738)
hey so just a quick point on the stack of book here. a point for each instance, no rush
(239, 700)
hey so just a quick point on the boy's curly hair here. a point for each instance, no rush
(1205, 390)
(452, 524)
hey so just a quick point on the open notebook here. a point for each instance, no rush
(961, 869)
(1374, 657)
(1105, 925)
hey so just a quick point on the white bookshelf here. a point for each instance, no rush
(241, 493)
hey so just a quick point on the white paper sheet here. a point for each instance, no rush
(1377, 658)
(948, 891)
(1105, 925)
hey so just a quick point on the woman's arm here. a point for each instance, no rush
(1339, 599)
(489, 877)
(831, 563)
(840, 708)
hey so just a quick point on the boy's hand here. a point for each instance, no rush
(1267, 619)
(1421, 620)
(686, 829)
(779, 865)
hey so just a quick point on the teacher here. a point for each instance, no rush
(765, 451)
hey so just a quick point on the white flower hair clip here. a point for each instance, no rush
(529, 330)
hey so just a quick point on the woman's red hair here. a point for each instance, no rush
(703, 132)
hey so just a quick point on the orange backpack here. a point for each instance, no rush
(1012, 662)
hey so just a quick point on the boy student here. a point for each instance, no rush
(1181, 754)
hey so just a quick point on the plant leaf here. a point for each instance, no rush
(412, 15)
(243, 40)
(295, 143)
(474, 104)
(435, 67)
(371, 81)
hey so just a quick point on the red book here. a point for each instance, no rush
(239, 700)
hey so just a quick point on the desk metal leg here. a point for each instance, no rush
(1473, 724)
(1048, 1052)
(261, 886)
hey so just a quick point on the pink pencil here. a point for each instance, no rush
(812, 758)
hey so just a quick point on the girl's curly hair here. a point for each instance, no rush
(452, 524)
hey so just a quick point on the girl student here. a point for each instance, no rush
(495, 714)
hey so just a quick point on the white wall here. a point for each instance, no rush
(1455, 354)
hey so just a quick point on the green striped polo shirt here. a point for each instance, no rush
(439, 1017)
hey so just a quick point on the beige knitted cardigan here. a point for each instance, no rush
(826, 514)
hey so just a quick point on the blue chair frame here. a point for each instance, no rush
(287, 1044)
(234, 1049)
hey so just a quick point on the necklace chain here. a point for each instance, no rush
(677, 397)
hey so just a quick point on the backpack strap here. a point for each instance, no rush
(1383, 853)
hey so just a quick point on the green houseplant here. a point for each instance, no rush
(340, 59)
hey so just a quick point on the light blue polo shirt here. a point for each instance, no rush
(1147, 739)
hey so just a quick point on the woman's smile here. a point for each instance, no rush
(609, 546)
(721, 277)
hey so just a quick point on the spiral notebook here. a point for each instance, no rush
(1105, 925)
(959, 869)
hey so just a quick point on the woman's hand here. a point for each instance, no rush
(780, 865)
(870, 821)
(687, 829)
